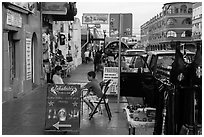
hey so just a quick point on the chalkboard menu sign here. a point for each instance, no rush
(63, 108)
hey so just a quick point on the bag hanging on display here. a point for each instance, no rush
(69, 58)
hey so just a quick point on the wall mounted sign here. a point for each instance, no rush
(28, 56)
(14, 19)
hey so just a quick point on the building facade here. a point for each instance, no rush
(197, 22)
(21, 48)
(173, 24)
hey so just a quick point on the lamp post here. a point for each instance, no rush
(104, 32)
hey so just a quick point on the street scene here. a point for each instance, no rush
(101, 68)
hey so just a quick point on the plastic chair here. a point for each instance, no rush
(103, 100)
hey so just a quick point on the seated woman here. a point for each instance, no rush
(94, 90)
(57, 79)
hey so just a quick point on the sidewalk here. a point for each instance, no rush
(26, 115)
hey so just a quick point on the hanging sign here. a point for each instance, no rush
(63, 108)
(95, 18)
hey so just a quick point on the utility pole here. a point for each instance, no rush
(119, 61)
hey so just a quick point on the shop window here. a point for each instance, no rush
(171, 21)
(171, 34)
(187, 33)
(187, 21)
(190, 10)
(183, 9)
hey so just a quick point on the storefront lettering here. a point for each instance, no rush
(14, 19)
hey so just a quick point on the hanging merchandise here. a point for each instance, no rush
(69, 57)
(69, 37)
(62, 39)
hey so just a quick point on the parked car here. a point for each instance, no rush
(137, 80)
(140, 80)
(133, 52)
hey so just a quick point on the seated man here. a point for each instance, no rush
(94, 90)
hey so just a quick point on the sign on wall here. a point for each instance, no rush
(111, 73)
(28, 56)
(13, 19)
(91, 18)
(63, 107)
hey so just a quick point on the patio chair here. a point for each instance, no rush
(103, 100)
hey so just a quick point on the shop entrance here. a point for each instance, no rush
(12, 57)
(34, 60)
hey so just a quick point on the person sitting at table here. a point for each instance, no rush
(57, 79)
(94, 90)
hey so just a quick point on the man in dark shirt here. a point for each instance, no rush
(97, 61)
(94, 90)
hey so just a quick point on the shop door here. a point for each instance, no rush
(34, 60)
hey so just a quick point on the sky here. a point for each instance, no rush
(141, 11)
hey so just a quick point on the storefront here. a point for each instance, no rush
(21, 49)
(59, 31)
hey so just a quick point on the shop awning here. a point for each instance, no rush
(60, 11)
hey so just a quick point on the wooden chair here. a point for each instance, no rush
(103, 100)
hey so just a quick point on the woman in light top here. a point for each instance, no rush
(57, 79)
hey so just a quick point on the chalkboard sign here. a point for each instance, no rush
(63, 108)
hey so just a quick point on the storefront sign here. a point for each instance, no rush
(28, 57)
(63, 108)
(14, 19)
(89, 18)
(111, 73)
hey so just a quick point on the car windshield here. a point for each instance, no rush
(164, 64)
(165, 61)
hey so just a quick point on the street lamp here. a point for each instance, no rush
(104, 32)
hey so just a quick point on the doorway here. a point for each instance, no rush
(34, 60)
(12, 57)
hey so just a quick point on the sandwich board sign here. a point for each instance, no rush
(63, 108)
(111, 73)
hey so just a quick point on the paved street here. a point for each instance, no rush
(26, 115)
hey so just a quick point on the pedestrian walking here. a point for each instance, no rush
(86, 54)
(57, 79)
(94, 90)
(97, 61)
